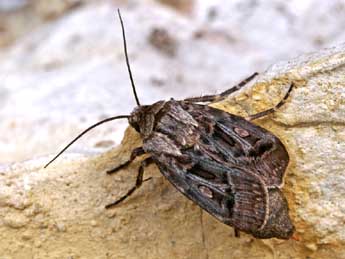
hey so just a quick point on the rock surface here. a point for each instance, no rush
(59, 212)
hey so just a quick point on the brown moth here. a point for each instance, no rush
(224, 163)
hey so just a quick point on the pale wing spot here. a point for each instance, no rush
(207, 192)
(241, 132)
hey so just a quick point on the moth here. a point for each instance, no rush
(224, 163)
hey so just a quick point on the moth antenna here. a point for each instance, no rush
(127, 60)
(85, 131)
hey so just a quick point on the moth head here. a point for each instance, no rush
(142, 118)
(279, 224)
(135, 118)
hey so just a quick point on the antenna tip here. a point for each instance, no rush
(44, 167)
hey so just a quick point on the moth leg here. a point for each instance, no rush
(237, 232)
(272, 110)
(138, 182)
(135, 153)
(221, 96)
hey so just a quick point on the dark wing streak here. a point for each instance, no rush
(216, 148)
(230, 132)
(221, 189)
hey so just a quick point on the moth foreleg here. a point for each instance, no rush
(221, 96)
(135, 153)
(238, 86)
(272, 110)
(137, 185)
(237, 232)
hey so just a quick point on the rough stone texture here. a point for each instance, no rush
(48, 94)
(18, 17)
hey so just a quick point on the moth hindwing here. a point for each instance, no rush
(224, 163)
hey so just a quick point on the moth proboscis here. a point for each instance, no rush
(224, 163)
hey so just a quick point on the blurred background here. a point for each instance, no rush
(62, 66)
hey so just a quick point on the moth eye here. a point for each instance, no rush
(206, 191)
(241, 132)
